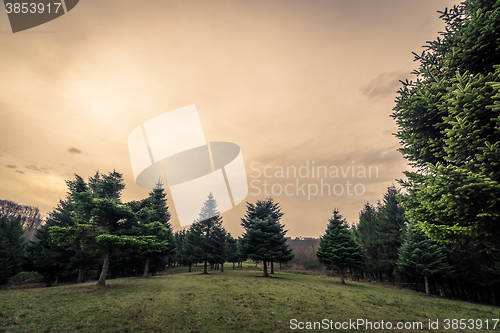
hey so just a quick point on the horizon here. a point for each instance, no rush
(290, 82)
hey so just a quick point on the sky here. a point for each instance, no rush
(295, 83)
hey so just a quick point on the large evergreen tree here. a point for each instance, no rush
(265, 241)
(263, 209)
(366, 234)
(72, 253)
(233, 254)
(101, 220)
(389, 231)
(154, 227)
(192, 247)
(337, 247)
(47, 257)
(208, 235)
(11, 247)
(449, 128)
(420, 257)
(380, 231)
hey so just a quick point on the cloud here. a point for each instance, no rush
(32, 167)
(74, 150)
(20, 171)
(11, 166)
(383, 85)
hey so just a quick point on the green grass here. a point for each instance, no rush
(233, 301)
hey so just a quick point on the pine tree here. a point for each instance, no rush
(337, 247)
(232, 250)
(157, 201)
(192, 247)
(449, 129)
(264, 241)
(179, 256)
(208, 234)
(419, 256)
(389, 231)
(241, 251)
(366, 234)
(262, 210)
(11, 247)
(100, 219)
(154, 227)
(74, 253)
(46, 257)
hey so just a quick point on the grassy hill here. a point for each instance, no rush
(233, 301)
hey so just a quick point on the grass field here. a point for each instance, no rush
(233, 301)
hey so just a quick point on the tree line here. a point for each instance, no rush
(208, 242)
(385, 246)
(92, 233)
(443, 231)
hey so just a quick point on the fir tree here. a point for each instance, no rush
(264, 241)
(11, 247)
(208, 234)
(389, 231)
(366, 234)
(157, 202)
(100, 220)
(449, 129)
(192, 247)
(419, 256)
(263, 209)
(233, 255)
(154, 227)
(47, 257)
(337, 247)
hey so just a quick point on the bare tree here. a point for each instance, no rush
(30, 216)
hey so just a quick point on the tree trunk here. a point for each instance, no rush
(222, 267)
(105, 266)
(493, 296)
(48, 280)
(426, 281)
(233, 265)
(478, 293)
(80, 274)
(205, 267)
(190, 264)
(265, 269)
(342, 281)
(272, 267)
(452, 288)
(146, 268)
(441, 287)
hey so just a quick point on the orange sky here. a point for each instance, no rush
(289, 81)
